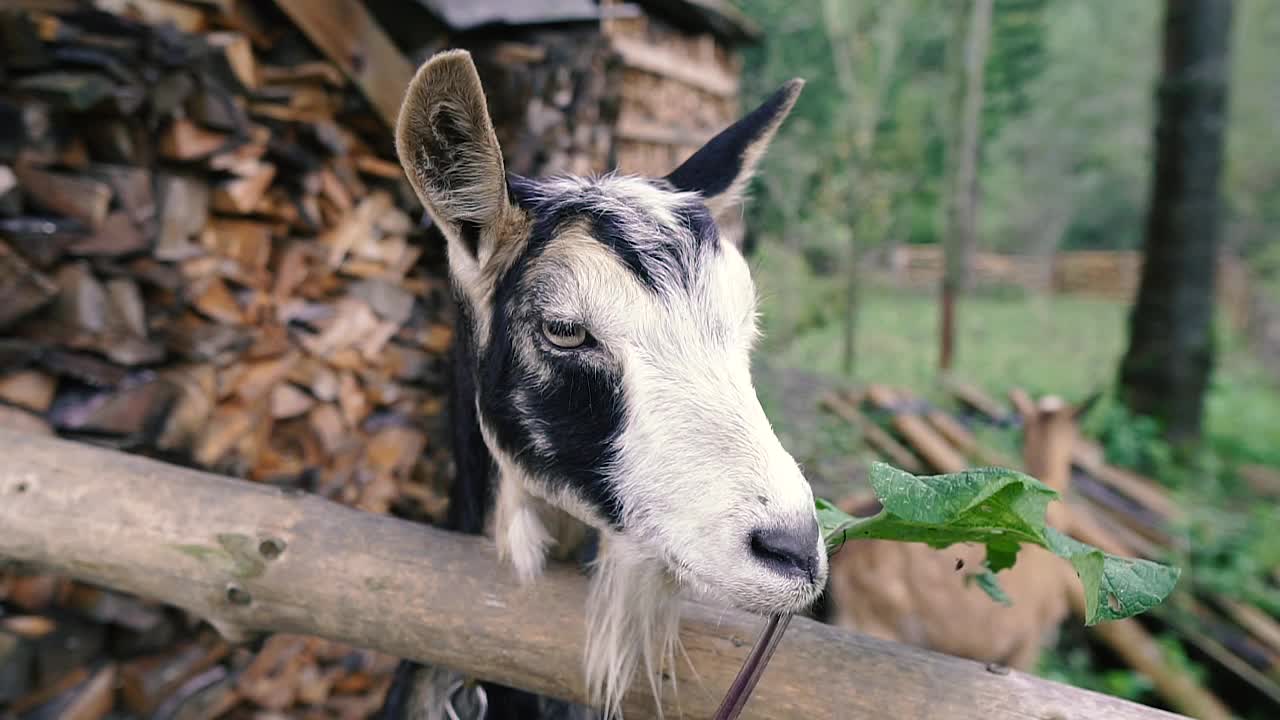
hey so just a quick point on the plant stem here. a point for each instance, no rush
(752, 668)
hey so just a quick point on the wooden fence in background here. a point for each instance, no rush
(1108, 274)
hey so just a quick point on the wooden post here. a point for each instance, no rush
(257, 558)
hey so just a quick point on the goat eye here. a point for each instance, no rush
(564, 334)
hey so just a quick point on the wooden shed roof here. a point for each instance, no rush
(717, 17)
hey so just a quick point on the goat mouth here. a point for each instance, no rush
(792, 602)
(796, 598)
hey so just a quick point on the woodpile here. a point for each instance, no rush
(208, 254)
(554, 112)
(676, 91)
(70, 650)
(893, 591)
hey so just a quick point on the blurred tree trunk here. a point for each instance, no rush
(973, 24)
(1166, 369)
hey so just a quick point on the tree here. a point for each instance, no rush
(1071, 165)
(1251, 184)
(864, 47)
(1166, 369)
(974, 26)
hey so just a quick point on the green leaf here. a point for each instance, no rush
(1115, 587)
(1000, 558)
(987, 581)
(1001, 509)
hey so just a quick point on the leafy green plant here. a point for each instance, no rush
(1231, 540)
(1001, 509)
(1232, 553)
(1129, 440)
(1073, 664)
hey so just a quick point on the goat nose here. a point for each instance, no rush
(788, 549)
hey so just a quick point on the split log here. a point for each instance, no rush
(81, 198)
(255, 558)
(1257, 622)
(147, 681)
(936, 451)
(91, 700)
(347, 33)
(974, 397)
(23, 290)
(875, 436)
(1088, 456)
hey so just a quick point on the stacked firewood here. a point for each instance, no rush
(78, 652)
(207, 254)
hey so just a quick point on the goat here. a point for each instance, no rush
(602, 383)
(913, 594)
(917, 595)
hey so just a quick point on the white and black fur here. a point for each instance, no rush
(649, 431)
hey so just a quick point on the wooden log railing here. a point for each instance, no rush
(252, 558)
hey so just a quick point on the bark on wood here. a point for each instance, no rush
(254, 558)
(936, 451)
(1088, 456)
(882, 441)
(961, 437)
(346, 32)
(974, 397)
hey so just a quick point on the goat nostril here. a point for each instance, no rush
(788, 550)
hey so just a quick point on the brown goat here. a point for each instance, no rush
(914, 594)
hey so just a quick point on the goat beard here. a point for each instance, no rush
(633, 603)
(633, 626)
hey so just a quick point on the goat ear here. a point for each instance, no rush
(721, 169)
(447, 146)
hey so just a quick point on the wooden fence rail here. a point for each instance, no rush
(252, 558)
